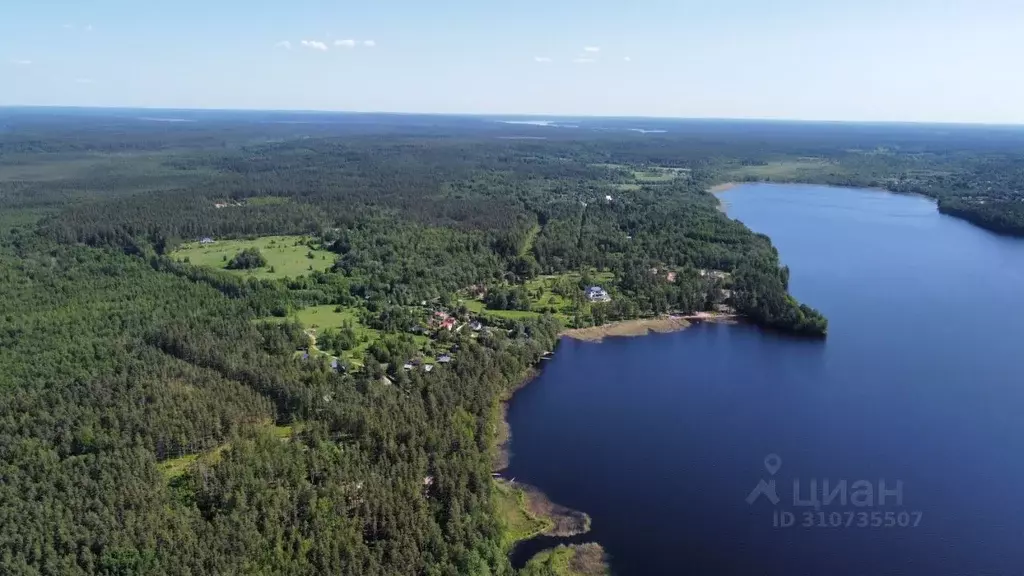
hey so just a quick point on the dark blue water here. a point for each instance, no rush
(921, 381)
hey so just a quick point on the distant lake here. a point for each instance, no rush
(921, 382)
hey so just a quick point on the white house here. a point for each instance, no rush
(598, 294)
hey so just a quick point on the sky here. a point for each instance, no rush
(872, 60)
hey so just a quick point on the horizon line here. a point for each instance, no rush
(542, 115)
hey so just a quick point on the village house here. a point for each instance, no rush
(444, 358)
(598, 294)
(206, 240)
(443, 320)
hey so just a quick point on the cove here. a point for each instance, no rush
(920, 384)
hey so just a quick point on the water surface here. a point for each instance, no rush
(921, 381)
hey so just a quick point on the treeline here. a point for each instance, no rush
(111, 367)
(152, 423)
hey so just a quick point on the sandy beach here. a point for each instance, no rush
(645, 326)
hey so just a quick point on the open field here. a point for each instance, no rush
(287, 256)
(316, 319)
(646, 175)
(790, 169)
(544, 298)
(660, 174)
(327, 316)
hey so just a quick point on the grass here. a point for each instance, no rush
(531, 236)
(177, 467)
(573, 560)
(284, 257)
(327, 317)
(659, 174)
(543, 297)
(789, 169)
(517, 522)
(646, 175)
(552, 561)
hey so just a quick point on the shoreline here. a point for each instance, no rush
(559, 520)
(644, 326)
(718, 189)
(665, 324)
(724, 186)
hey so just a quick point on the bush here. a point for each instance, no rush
(247, 259)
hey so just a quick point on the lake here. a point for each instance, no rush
(661, 439)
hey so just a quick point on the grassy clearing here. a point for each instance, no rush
(790, 169)
(545, 299)
(659, 174)
(327, 316)
(316, 319)
(287, 256)
(646, 175)
(177, 467)
(531, 237)
(574, 560)
(516, 519)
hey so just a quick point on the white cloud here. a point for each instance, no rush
(85, 81)
(584, 60)
(349, 43)
(543, 59)
(315, 45)
(369, 43)
(88, 27)
(627, 59)
(283, 44)
(591, 48)
(68, 26)
(21, 62)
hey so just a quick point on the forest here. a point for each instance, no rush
(166, 415)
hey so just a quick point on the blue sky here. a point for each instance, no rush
(899, 60)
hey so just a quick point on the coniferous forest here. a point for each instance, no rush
(327, 402)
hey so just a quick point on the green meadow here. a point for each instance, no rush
(785, 170)
(287, 256)
(546, 297)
